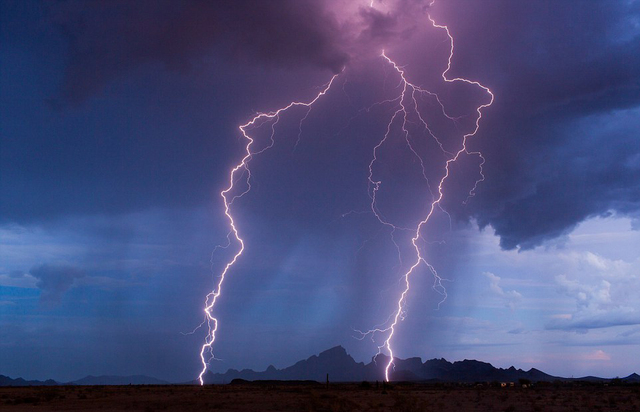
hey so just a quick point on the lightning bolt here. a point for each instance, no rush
(407, 103)
(406, 100)
(228, 198)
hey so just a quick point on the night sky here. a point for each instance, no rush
(119, 125)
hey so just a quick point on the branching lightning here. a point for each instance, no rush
(408, 94)
(212, 297)
(406, 105)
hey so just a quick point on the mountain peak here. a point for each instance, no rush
(334, 352)
(634, 377)
(337, 365)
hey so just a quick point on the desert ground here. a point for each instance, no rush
(318, 397)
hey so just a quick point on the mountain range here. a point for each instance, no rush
(7, 381)
(87, 380)
(341, 367)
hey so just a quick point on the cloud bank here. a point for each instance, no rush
(55, 280)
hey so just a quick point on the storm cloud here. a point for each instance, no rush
(55, 280)
(120, 124)
(107, 39)
(561, 140)
(563, 127)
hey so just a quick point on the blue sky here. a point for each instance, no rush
(119, 126)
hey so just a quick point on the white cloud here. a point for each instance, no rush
(598, 355)
(511, 297)
(604, 290)
(586, 295)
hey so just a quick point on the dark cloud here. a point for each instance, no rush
(379, 25)
(152, 137)
(561, 138)
(55, 280)
(107, 39)
(546, 190)
(558, 142)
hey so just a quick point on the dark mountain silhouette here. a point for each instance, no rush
(633, 378)
(7, 381)
(118, 380)
(336, 362)
(594, 379)
(341, 367)
(87, 380)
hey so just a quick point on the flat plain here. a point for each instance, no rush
(317, 397)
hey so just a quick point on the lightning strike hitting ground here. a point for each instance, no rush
(212, 297)
(407, 103)
(409, 91)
